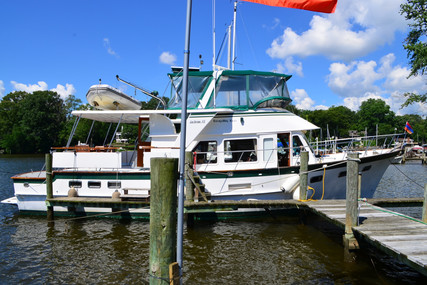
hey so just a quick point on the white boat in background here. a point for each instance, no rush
(246, 145)
(105, 97)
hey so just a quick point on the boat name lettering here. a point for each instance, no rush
(223, 121)
(197, 121)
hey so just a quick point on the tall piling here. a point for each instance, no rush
(303, 175)
(352, 193)
(163, 218)
(425, 204)
(49, 186)
(189, 187)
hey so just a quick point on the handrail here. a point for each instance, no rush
(84, 148)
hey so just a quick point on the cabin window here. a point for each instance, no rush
(297, 144)
(283, 149)
(94, 184)
(240, 150)
(342, 174)
(366, 168)
(316, 179)
(75, 184)
(268, 148)
(114, 184)
(196, 87)
(230, 91)
(206, 152)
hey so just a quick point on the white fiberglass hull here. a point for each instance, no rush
(328, 183)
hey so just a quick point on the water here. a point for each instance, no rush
(276, 250)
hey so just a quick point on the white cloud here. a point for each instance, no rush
(359, 77)
(354, 79)
(2, 89)
(107, 45)
(62, 90)
(290, 67)
(167, 58)
(395, 101)
(275, 24)
(359, 81)
(302, 100)
(354, 30)
(321, 107)
(40, 86)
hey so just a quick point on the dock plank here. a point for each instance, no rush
(394, 233)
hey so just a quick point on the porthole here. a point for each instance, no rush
(94, 184)
(114, 184)
(316, 179)
(366, 168)
(75, 184)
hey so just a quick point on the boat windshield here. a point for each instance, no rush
(250, 91)
(197, 82)
(241, 90)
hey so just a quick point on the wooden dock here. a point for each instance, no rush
(398, 235)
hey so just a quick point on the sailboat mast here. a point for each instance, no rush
(234, 35)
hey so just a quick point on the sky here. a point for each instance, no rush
(335, 59)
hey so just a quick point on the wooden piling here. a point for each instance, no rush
(425, 204)
(163, 218)
(352, 191)
(303, 175)
(189, 187)
(49, 186)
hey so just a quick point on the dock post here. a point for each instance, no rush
(352, 193)
(189, 186)
(163, 218)
(425, 204)
(49, 186)
(303, 175)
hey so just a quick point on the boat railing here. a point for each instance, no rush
(86, 148)
(365, 143)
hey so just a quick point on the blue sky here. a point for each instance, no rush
(334, 59)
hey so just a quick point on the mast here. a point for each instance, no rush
(234, 35)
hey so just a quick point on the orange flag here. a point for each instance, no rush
(325, 6)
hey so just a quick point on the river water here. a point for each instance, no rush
(274, 250)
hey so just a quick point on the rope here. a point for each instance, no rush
(323, 183)
(410, 179)
(99, 215)
(309, 199)
(390, 212)
(167, 279)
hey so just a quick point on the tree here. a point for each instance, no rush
(376, 112)
(415, 11)
(31, 122)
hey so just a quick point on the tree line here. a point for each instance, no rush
(35, 122)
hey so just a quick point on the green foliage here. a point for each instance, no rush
(30, 123)
(340, 120)
(415, 11)
(375, 112)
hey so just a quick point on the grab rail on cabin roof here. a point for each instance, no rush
(84, 148)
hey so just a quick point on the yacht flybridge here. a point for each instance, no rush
(245, 145)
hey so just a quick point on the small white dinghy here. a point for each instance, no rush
(105, 97)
